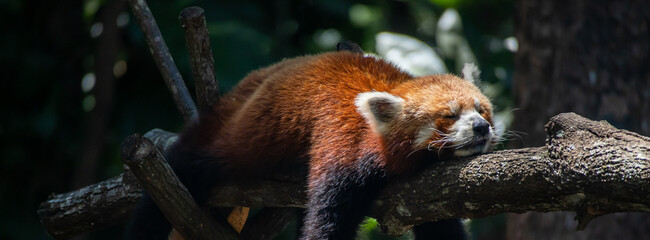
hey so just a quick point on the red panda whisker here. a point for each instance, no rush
(441, 147)
(440, 132)
(408, 155)
(509, 135)
(443, 140)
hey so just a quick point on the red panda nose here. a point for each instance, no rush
(481, 127)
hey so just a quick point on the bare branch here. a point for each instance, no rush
(198, 42)
(588, 167)
(161, 138)
(90, 208)
(173, 199)
(164, 61)
(99, 205)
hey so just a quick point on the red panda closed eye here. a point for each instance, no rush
(355, 120)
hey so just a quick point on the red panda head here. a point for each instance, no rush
(442, 113)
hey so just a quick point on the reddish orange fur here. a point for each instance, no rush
(275, 113)
(312, 109)
(428, 105)
(305, 106)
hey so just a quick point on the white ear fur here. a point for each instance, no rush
(471, 72)
(378, 108)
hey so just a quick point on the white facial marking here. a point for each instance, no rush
(373, 115)
(423, 136)
(465, 141)
(477, 104)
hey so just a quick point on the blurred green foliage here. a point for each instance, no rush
(47, 47)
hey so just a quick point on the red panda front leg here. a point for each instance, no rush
(340, 196)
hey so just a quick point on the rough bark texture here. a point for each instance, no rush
(99, 205)
(603, 155)
(570, 174)
(198, 42)
(589, 57)
(161, 138)
(90, 208)
(595, 157)
(173, 199)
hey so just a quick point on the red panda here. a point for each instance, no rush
(356, 120)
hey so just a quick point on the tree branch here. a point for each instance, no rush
(90, 208)
(171, 196)
(198, 42)
(588, 167)
(100, 205)
(164, 60)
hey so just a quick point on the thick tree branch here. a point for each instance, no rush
(90, 208)
(164, 60)
(173, 199)
(100, 205)
(587, 167)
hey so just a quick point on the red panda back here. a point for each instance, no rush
(271, 115)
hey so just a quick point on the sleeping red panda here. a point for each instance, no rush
(356, 121)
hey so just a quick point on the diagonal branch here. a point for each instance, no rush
(164, 61)
(588, 167)
(173, 199)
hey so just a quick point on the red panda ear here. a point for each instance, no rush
(471, 72)
(379, 108)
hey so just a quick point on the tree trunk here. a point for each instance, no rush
(589, 57)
